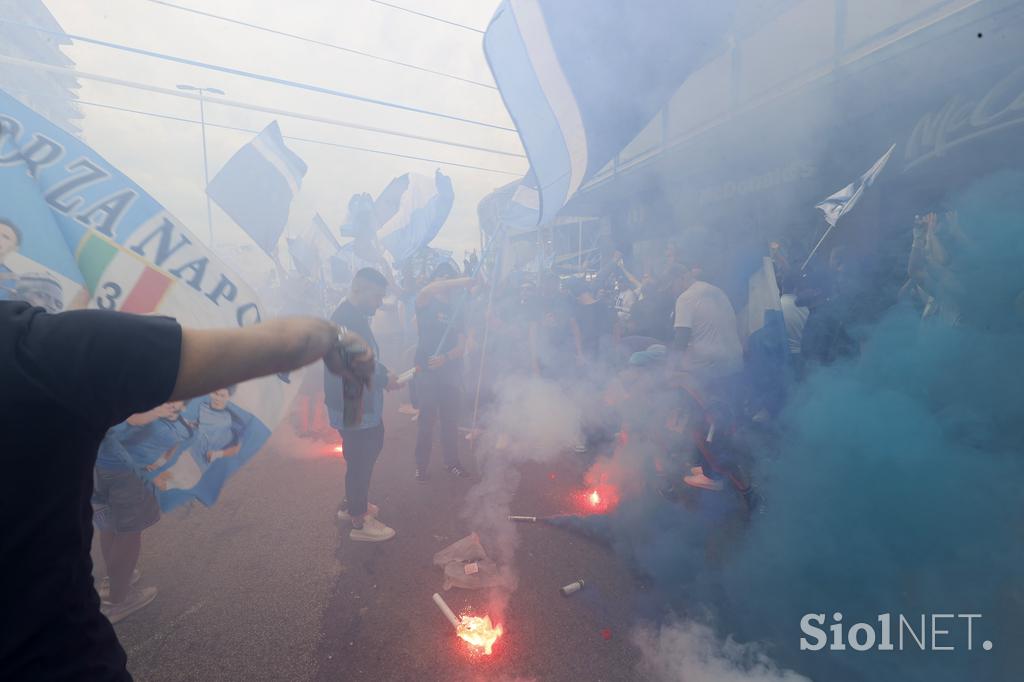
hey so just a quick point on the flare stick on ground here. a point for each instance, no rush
(448, 613)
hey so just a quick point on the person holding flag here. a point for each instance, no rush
(442, 342)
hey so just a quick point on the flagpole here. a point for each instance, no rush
(206, 165)
(818, 245)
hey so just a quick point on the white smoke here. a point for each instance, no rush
(531, 420)
(691, 652)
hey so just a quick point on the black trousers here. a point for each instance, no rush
(362, 446)
(438, 401)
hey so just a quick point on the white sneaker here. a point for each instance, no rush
(103, 586)
(703, 482)
(697, 471)
(371, 510)
(137, 599)
(372, 531)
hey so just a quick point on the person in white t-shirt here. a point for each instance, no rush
(709, 358)
(706, 331)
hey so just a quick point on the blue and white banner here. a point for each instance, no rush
(312, 250)
(74, 233)
(840, 203)
(581, 78)
(256, 186)
(422, 208)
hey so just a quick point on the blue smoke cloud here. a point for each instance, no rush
(897, 487)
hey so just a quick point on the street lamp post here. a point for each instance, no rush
(206, 167)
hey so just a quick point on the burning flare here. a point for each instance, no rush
(595, 498)
(479, 632)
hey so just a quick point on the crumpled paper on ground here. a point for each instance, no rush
(454, 558)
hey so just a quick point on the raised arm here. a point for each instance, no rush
(440, 287)
(213, 358)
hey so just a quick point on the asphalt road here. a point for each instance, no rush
(265, 585)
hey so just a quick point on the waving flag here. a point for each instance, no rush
(840, 203)
(256, 186)
(312, 250)
(90, 237)
(843, 201)
(581, 78)
(514, 207)
(421, 209)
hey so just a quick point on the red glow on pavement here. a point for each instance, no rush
(479, 633)
(599, 499)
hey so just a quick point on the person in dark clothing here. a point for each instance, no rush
(556, 345)
(442, 342)
(830, 295)
(651, 316)
(597, 322)
(66, 379)
(361, 442)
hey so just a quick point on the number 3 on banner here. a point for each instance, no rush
(108, 300)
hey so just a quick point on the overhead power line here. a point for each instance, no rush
(257, 76)
(297, 139)
(427, 16)
(245, 105)
(322, 43)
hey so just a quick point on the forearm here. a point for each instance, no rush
(435, 289)
(212, 359)
(680, 342)
(459, 350)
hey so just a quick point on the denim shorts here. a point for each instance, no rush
(122, 502)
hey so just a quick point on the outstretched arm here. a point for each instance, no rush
(440, 287)
(213, 358)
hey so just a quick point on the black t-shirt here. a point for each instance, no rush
(64, 380)
(652, 315)
(554, 321)
(439, 326)
(597, 323)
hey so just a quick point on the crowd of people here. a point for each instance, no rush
(659, 362)
(661, 357)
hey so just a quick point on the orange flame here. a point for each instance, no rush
(479, 632)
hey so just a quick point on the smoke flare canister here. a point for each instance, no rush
(448, 613)
(573, 587)
(527, 519)
(406, 376)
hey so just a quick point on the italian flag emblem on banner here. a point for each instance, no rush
(118, 279)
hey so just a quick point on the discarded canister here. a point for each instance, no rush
(573, 587)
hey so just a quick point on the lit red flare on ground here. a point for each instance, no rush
(599, 499)
(479, 632)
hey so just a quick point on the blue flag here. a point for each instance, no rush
(419, 212)
(256, 186)
(312, 250)
(582, 78)
(86, 236)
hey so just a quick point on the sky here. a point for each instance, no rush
(165, 157)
